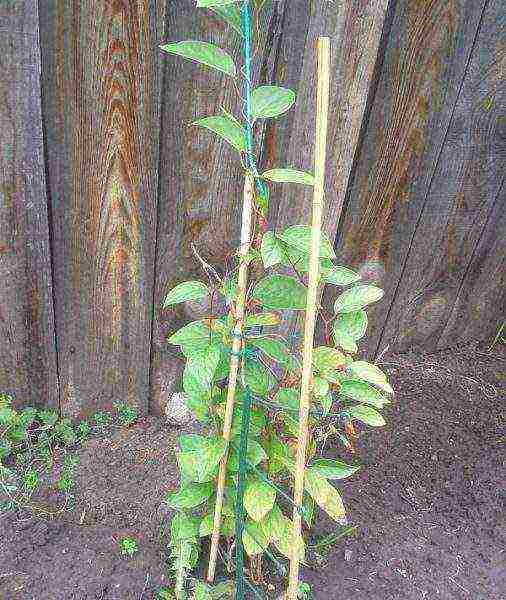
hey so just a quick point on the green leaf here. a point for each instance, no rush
(183, 527)
(333, 469)
(289, 176)
(280, 292)
(272, 348)
(320, 387)
(262, 319)
(188, 290)
(362, 392)
(190, 495)
(324, 494)
(355, 298)
(209, 3)
(203, 53)
(226, 128)
(259, 498)
(343, 339)
(366, 414)
(289, 398)
(254, 539)
(371, 373)
(258, 378)
(193, 337)
(326, 360)
(200, 456)
(271, 250)
(230, 14)
(255, 455)
(278, 529)
(353, 323)
(271, 101)
(227, 526)
(308, 509)
(199, 371)
(341, 276)
(299, 237)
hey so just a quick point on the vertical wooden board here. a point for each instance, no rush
(426, 57)
(288, 59)
(201, 176)
(19, 16)
(480, 306)
(464, 200)
(101, 89)
(355, 31)
(28, 368)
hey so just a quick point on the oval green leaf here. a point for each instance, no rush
(289, 176)
(271, 101)
(333, 469)
(226, 128)
(371, 373)
(188, 290)
(362, 392)
(299, 237)
(259, 498)
(272, 348)
(199, 456)
(190, 496)
(341, 276)
(367, 414)
(353, 323)
(204, 53)
(357, 297)
(271, 250)
(344, 340)
(280, 292)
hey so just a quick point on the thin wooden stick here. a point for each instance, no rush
(247, 216)
(322, 101)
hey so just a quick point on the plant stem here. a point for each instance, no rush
(323, 49)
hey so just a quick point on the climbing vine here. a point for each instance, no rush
(259, 452)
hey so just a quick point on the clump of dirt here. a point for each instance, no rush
(428, 504)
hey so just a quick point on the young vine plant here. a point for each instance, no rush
(345, 389)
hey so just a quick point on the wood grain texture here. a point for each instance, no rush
(426, 59)
(200, 176)
(101, 89)
(355, 31)
(461, 217)
(28, 368)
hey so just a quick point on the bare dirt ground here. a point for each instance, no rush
(429, 504)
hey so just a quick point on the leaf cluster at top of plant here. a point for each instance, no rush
(345, 390)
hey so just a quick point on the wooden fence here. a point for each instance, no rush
(103, 187)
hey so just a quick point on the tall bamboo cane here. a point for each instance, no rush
(322, 99)
(247, 218)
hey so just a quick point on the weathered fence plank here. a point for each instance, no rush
(464, 199)
(426, 58)
(28, 368)
(200, 185)
(101, 89)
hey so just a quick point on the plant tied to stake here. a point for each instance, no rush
(242, 378)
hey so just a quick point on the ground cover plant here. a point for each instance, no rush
(29, 439)
(242, 356)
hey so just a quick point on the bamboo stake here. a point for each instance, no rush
(247, 216)
(322, 102)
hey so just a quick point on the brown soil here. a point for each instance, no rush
(428, 504)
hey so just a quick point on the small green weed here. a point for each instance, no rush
(128, 546)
